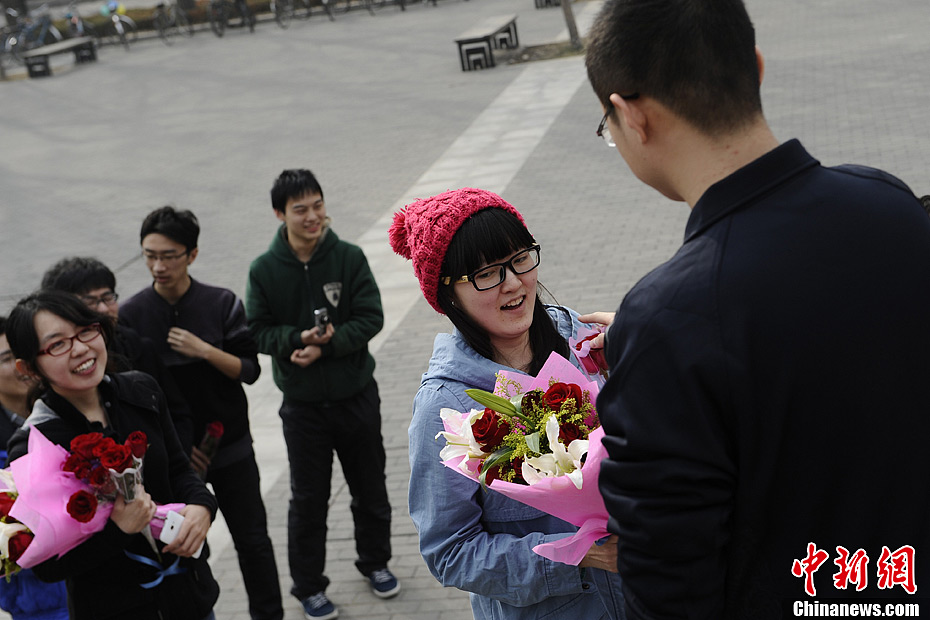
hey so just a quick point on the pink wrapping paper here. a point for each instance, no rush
(558, 497)
(44, 490)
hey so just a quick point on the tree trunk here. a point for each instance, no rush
(570, 23)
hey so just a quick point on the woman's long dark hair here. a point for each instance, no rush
(489, 236)
(21, 328)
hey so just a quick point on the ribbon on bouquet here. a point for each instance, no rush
(160, 572)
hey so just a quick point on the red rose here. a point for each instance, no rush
(118, 458)
(82, 506)
(84, 444)
(558, 393)
(77, 465)
(138, 443)
(517, 465)
(99, 478)
(569, 432)
(105, 444)
(18, 543)
(215, 429)
(530, 401)
(6, 502)
(489, 430)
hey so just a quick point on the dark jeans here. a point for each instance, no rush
(238, 493)
(352, 428)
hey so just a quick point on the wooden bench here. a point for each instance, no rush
(476, 43)
(37, 60)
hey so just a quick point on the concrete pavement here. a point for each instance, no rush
(379, 109)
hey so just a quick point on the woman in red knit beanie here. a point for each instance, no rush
(477, 263)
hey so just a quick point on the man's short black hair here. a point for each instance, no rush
(179, 226)
(78, 275)
(292, 184)
(696, 57)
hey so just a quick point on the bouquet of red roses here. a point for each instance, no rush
(14, 536)
(64, 498)
(538, 441)
(106, 466)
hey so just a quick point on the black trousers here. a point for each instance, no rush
(352, 428)
(238, 493)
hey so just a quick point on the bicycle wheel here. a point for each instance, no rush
(283, 11)
(162, 24)
(122, 31)
(53, 35)
(13, 48)
(218, 13)
(248, 19)
(302, 9)
(179, 15)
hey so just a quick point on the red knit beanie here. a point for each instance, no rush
(422, 231)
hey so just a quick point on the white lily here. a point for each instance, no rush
(7, 531)
(6, 481)
(560, 462)
(460, 441)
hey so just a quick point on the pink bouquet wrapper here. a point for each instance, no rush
(581, 349)
(558, 497)
(44, 490)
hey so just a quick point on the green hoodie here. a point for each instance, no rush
(280, 298)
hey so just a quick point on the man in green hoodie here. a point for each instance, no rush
(313, 305)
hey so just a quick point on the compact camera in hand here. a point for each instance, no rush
(321, 319)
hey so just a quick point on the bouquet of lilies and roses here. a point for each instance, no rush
(538, 441)
(14, 536)
(61, 499)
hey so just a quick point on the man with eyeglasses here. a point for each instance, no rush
(313, 305)
(768, 396)
(201, 335)
(95, 284)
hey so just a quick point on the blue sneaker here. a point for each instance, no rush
(383, 583)
(318, 607)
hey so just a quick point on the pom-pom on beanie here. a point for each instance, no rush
(421, 231)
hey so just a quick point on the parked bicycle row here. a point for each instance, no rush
(113, 24)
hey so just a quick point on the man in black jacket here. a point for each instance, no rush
(201, 335)
(766, 412)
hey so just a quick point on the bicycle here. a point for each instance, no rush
(171, 20)
(30, 33)
(121, 28)
(343, 6)
(77, 27)
(219, 12)
(283, 11)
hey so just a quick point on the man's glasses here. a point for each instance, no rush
(164, 257)
(92, 302)
(60, 347)
(603, 131)
(493, 275)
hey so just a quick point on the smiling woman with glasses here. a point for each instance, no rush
(57, 341)
(477, 263)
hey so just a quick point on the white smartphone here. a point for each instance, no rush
(169, 532)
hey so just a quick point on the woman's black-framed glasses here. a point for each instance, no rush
(493, 275)
(60, 347)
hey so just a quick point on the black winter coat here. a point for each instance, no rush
(103, 582)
